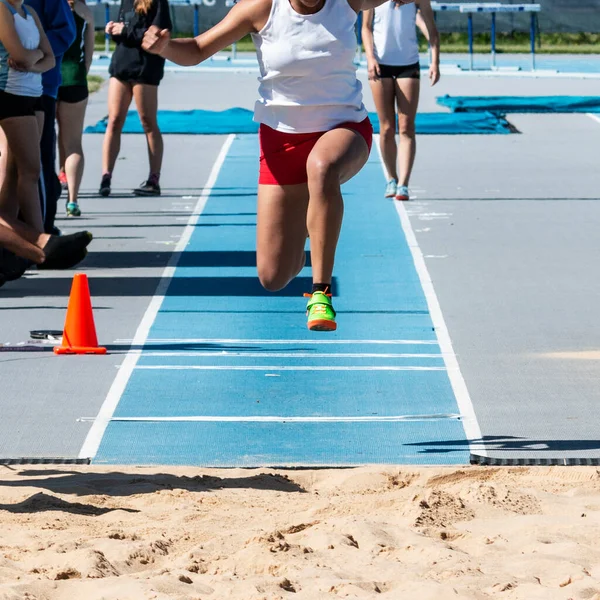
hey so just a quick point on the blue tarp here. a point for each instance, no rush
(521, 104)
(239, 120)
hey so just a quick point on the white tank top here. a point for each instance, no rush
(16, 82)
(395, 34)
(308, 78)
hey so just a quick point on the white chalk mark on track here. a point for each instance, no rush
(217, 354)
(278, 342)
(594, 117)
(279, 368)
(96, 433)
(244, 419)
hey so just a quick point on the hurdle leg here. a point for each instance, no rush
(106, 20)
(196, 20)
(533, 36)
(470, 41)
(493, 40)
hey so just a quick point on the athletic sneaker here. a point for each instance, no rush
(105, 186)
(320, 312)
(62, 178)
(402, 193)
(147, 188)
(390, 188)
(73, 209)
(66, 251)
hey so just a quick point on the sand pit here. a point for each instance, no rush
(180, 533)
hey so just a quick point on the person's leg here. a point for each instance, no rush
(20, 246)
(22, 134)
(61, 150)
(59, 252)
(71, 116)
(384, 96)
(146, 100)
(119, 99)
(3, 156)
(407, 95)
(9, 200)
(337, 157)
(280, 233)
(52, 186)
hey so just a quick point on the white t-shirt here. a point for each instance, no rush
(395, 34)
(307, 73)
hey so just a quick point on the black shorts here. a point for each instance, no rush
(405, 72)
(73, 93)
(139, 81)
(12, 105)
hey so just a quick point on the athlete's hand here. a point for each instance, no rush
(156, 40)
(113, 28)
(25, 66)
(434, 73)
(400, 3)
(373, 70)
(15, 66)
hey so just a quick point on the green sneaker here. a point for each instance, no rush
(73, 209)
(320, 312)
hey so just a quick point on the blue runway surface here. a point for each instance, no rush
(230, 376)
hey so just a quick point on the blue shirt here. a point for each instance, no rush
(59, 24)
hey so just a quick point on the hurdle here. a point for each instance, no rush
(492, 8)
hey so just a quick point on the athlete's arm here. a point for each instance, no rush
(359, 5)
(249, 16)
(47, 61)
(434, 39)
(367, 38)
(421, 25)
(89, 37)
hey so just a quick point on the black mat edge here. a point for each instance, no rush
(44, 461)
(485, 461)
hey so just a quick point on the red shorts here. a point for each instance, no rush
(283, 155)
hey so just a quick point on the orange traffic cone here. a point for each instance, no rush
(79, 336)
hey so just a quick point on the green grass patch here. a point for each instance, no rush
(94, 83)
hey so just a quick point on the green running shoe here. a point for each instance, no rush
(73, 209)
(320, 312)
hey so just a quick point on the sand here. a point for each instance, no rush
(96, 533)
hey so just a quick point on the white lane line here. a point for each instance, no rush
(280, 342)
(463, 398)
(241, 419)
(94, 437)
(217, 354)
(594, 117)
(278, 368)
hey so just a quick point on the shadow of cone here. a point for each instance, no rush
(79, 336)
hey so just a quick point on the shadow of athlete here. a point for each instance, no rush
(314, 130)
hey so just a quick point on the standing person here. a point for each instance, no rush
(314, 131)
(25, 54)
(390, 38)
(135, 74)
(58, 23)
(72, 102)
